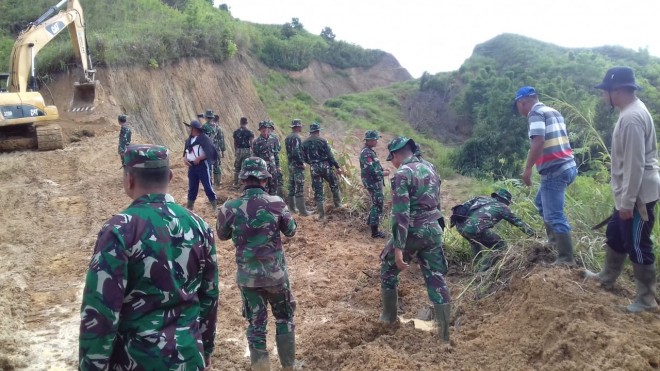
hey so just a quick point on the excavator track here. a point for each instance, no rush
(49, 137)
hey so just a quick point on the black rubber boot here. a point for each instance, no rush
(286, 349)
(320, 209)
(259, 360)
(390, 305)
(290, 202)
(645, 281)
(236, 182)
(300, 205)
(552, 240)
(611, 271)
(214, 205)
(442, 313)
(336, 198)
(216, 180)
(190, 205)
(564, 249)
(375, 233)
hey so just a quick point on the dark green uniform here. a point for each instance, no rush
(242, 145)
(317, 153)
(371, 172)
(294, 154)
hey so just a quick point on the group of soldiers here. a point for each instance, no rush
(151, 292)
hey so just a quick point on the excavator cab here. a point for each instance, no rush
(4, 82)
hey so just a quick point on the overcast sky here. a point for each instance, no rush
(438, 35)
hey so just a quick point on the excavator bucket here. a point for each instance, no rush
(84, 96)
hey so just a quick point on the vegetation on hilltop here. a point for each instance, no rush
(154, 32)
(564, 78)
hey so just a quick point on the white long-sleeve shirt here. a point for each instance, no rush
(634, 158)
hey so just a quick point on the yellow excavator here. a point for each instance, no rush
(23, 111)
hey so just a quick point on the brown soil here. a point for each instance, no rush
(53, 204)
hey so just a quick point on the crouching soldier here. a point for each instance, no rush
(475, 218)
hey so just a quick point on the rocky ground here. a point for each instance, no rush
(52, 204)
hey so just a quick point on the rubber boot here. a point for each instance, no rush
(259, 360)
(216, 179)
(442, 313)
(564, 249)
(286, 349)
(190, 205)
(552, 240)
(279, 191)
(375, 233)
(336, 199)
(300, 205)
(290, 203)
(320, 209)
(214, 205)
(236, 183)
(611, 271)
(645, 282)
(390, 305)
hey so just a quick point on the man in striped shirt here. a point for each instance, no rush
(551, 152)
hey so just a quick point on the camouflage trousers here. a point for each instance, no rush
(274, 181)
(323, 171)
(255, 310)
(485, 239)
(296, 181)
(241, 155)
(425, 245)
(377, 200)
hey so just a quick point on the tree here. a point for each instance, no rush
(328, 35)
(295, 23)
(288, 31)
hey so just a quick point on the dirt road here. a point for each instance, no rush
(52, 205)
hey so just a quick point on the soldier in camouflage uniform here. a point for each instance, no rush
(278, 178)
(220, 147)
(293, 145)
(262, 147)
(254, 222)
(372, 174)
(482, 215)
(317, 153)
(415, 233)
(124, 136)
(151, 292)
(242, 147)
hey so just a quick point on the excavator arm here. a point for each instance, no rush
(38, 34)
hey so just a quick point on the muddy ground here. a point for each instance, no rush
(52, 205)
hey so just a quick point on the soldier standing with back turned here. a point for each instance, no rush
(125, 134)
(263, 148)
(372, 174)
(242, 147)
(322, 166)
(293, 145)
(277, 147)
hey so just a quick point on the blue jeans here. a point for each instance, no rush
(551, 196)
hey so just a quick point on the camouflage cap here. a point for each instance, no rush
(503, 195)
(296, 123)
(146, 156)
(122, 118)
(314, 126)
(398, 143)
(371, 135)
(263, 124)
(271, 125)
(254, 166)
(209, 114)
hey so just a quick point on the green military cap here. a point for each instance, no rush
(295, 123)
(209, 114)
(263, 124)
(314, 126)
(270, 124)
(122, 118)
(398, 143)
(503, 195)
(254, 166)
(371, 135)
(146, 156)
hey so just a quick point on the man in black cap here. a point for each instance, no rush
(124, 136)
(636, 187)
(199, 155)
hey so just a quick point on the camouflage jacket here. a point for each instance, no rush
(219, 139)
(243, 137)
(209, 129)
(485, 212)
(151, 291)
(277, 147)
(293, 145)
(415, 199)
(262, 147)
(371, 170)
(316, 149)
(254, 222)
(124, 138)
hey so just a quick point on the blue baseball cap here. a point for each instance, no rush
(524, 92)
